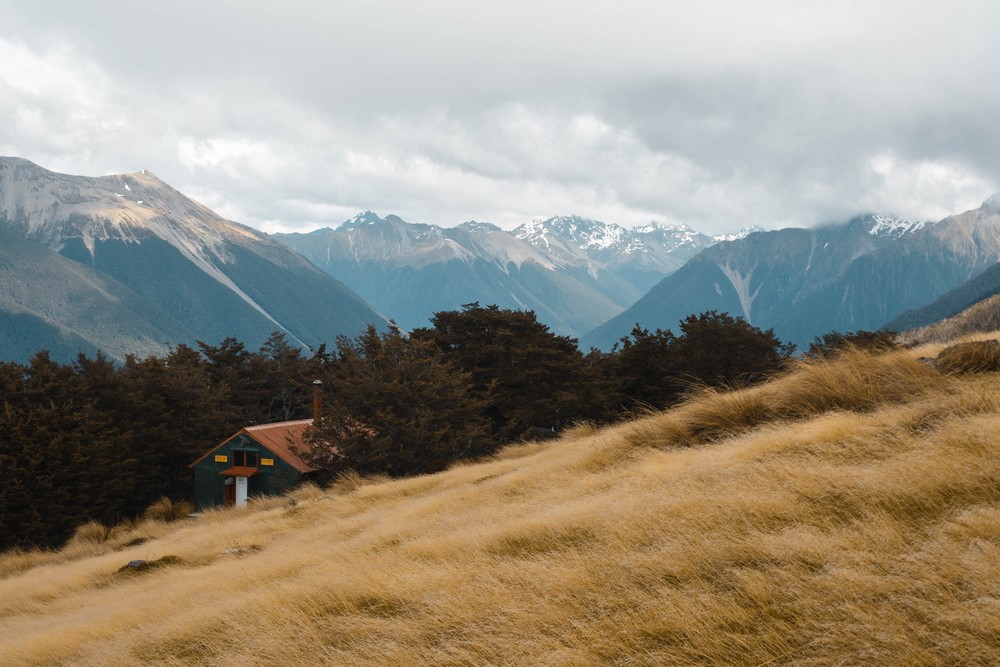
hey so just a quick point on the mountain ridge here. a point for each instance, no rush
(573, 272)
(804, 282)
(212, 277)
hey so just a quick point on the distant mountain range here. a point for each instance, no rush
(807, 282)
(575, 273)
(127, 264)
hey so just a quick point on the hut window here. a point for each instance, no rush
(244, 458)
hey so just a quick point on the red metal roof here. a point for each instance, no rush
(279, 438)
(239, 471)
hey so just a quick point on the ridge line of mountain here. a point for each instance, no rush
(187, 273)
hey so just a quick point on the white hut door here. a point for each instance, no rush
(241, 491)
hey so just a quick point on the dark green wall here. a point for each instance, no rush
(269, 480)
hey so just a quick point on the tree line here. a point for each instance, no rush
(94, 440)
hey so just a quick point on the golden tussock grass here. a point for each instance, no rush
(971, 357)
(853, 380)
(166, 509)
(845, 513)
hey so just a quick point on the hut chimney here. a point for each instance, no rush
(317, 402)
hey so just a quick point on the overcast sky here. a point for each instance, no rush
(298, 114)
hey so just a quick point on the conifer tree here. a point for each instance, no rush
(65, 461)
(239, 390)
(284, 373)
(714, 349)
(719, 349)
(395, 406)
(646, 368)
(529, 377)
(176, 418)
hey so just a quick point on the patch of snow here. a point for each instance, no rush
(742, 234)
(118, 194)
(128, 188)
(654, 226)
(885, 225)
(362, 219)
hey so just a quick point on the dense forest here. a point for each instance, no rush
(93, 440)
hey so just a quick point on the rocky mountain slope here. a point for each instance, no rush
(806, 282)
(182, 271)
(573, 272)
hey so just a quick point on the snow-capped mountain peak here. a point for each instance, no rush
(887, 226)
(360, 220)
(736, 236)
(575, 241)
(574, 231)
(653, 226)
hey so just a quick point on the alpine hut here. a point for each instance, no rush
(256, 460)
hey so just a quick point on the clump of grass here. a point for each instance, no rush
(604, 453)
(537, 539)
(92, 532)
(307, 491)
(167, 510)
(973, 357)
(518, 450)
(346, 482)
(579, 430)
(713, 413)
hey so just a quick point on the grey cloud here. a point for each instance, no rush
(715, 114)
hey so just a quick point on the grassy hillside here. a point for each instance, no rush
(847, 513)
(980, 317)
